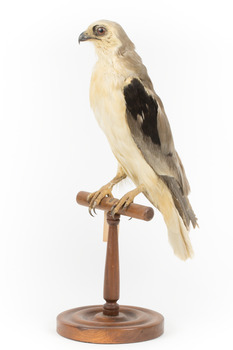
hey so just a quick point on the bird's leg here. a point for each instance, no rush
(96, 197)
(127, 199)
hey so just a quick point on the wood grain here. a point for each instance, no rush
(89, 324)
(111, 276)
(111, 323)
(135, 211)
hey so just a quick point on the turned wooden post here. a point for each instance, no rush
(111, 279)
(111, 323)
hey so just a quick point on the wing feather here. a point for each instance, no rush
(152, 134)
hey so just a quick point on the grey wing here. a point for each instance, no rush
(151, 132)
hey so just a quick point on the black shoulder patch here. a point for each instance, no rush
(138, 102)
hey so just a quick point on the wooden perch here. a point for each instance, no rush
(111, 323)
(136, 211)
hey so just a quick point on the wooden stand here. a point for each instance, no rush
(111, 323)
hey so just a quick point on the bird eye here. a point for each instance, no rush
(101, 30)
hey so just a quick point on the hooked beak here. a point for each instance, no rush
(84, 37)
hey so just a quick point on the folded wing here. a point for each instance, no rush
(151, 132)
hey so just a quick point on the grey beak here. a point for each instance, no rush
(83, 37)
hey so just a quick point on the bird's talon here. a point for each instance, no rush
(89, 210)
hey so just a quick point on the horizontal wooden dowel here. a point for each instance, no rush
(135, 211)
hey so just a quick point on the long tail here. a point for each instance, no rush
(178, 233)
(181, 201)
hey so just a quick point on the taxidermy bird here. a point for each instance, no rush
(133, 119)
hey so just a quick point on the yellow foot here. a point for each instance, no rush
(95, 198)
(126, 200)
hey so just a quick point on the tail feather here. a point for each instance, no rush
(181, 201)
(178, 236)
(178, 233)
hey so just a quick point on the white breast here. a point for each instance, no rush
(107, 102)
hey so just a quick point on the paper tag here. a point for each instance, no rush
(106, 227)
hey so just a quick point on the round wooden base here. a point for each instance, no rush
(89, 324)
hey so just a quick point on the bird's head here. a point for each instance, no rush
(108, 37)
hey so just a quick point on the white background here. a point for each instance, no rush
(51, 252)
